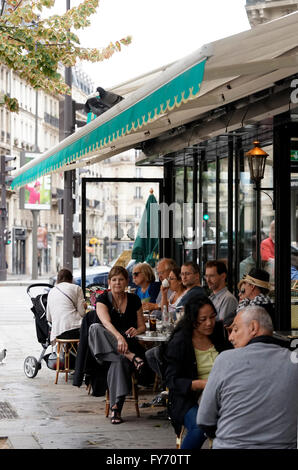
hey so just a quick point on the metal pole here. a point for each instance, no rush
(68, 176)
(230, 212)
(258, 223)
(3, 272)
(35, 215)
(36, 122)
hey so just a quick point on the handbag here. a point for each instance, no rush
(51, 360)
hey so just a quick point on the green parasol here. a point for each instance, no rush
(146, 246)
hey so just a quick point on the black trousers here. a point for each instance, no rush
(70, 334)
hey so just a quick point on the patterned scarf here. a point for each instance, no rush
(260, 299)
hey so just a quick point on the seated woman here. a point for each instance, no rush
(177, 288)
(66, 307)
(189, 357)
(144, 278)
(113, 339)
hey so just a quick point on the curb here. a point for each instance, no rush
(23, 282)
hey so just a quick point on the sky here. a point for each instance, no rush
(162, 31)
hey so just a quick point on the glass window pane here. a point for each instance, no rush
(209, 210)
(223, 208)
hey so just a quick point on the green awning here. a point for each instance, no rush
(184, 87)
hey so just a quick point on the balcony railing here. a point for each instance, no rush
(49, 119)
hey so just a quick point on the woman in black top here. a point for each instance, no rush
(113, 339)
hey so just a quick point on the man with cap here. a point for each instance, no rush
(254, 289)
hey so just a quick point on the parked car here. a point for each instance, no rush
(97, 275)
(94, 275)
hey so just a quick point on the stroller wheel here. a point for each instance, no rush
(31, 367)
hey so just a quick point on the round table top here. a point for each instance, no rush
(157, 338)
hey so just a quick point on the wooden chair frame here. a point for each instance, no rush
(68, 346)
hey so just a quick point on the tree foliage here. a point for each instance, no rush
(33, 47)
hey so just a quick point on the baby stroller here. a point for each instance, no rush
(43, 329)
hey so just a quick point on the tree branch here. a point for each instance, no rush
(3, 6)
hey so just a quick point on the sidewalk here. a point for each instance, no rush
(37, 414)
(23, 280)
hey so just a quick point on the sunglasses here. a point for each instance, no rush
(136, 273)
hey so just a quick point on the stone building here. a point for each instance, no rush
(36, 129)
(261, 11)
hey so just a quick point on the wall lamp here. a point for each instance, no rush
(257, 162)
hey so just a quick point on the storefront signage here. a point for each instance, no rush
(37, 195)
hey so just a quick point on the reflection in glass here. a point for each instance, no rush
(209, 210)
(247, 225)
(223, 208)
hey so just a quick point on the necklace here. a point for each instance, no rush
(120, 304)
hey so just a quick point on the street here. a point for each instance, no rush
(37, 414)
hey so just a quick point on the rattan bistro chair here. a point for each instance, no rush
(180, 437)
(68, 346)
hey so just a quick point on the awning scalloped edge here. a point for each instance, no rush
(171, 95)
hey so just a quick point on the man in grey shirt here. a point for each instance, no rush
(250, 400)
(223, 300)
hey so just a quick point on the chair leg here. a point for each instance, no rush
(179, 438)
(66, 362)
(107, 410)
(156, 383)
(57, 363)
(135, 395)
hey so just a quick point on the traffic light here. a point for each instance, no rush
(74, 121)
(5, 170)
(206, 217)
(74, 108)
(7, 237)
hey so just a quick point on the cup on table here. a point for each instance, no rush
(146, 315)
(152, 322)
(179, 313)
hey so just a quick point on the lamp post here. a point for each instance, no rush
(257, 162)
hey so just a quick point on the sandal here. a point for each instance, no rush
(138, 363)
(116, 418)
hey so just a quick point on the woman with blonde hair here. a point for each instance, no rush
(143, 277)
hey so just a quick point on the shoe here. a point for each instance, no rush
(145, 405)
(160, 415)
(138, 363)
(116, 417)
(159, 400)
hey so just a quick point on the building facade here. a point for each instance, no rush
(35, 129)
(261, 11)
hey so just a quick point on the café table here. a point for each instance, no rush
(158, 338)
(154, 340)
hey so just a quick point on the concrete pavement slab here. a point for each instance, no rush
(49, 416)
